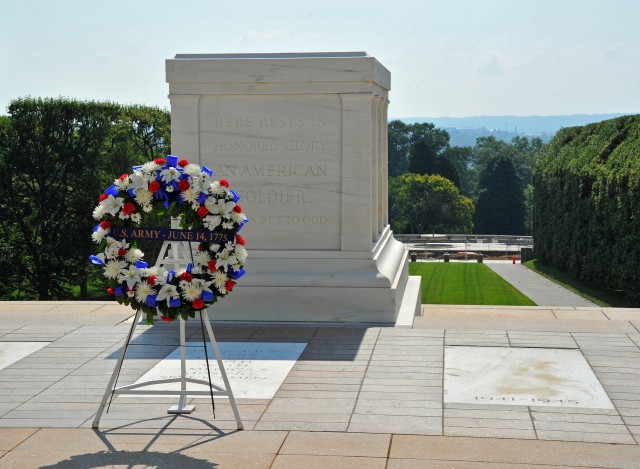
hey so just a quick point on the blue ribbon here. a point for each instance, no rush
(170, 276)
(136, 168)
(202, 198)
(172, 160)
(131, 192)
(207, 171)
(236, 197)
(151, 300)
(141, 265)
(119, 291)
(235, 275)
(96, 228)
(111, 190)
(174, 302)
(244, 222)
(96, 260)
(207, 296)
(189, 267)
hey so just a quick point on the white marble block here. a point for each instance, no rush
(302, 138)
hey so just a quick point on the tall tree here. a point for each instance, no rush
(399, 142)
(500, 204)
(428, 204)
(463, 159)
(427, 145)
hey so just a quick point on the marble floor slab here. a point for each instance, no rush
(521, 376)
(11, 352)
(255, 369)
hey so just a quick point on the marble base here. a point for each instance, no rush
(324, 286)
(521, 376)
(255, 369)
(11, 352)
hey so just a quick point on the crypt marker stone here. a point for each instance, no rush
(303, 138)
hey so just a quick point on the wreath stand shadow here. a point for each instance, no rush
(180, 256)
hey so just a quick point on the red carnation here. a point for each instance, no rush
(122, 251)
(154, 186)
(159, 161)
(110, 291)
(197, 303)
(103, 197)
(128, 208)
(151, 280)
(186, 276)
(229, 285)
(224, 182)
(105, 224)
(200, 247)
(166, 318)
(123, 177)
(183, 163)
(237, 209)
(203, 211)
(240, 240)
(212, 265)
(183, 185)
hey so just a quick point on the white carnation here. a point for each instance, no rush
(99, 212)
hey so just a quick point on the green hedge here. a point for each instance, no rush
(586, 217)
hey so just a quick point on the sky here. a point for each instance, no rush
(446, 57)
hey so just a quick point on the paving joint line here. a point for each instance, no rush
(271, 400)
(533, 423)
(76, 369)
(364, 376)
(280, 447)
(615, 407)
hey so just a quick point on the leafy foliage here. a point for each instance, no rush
(500, 205)
(428, 204)
(586, 215)
(57, 155)
(421, 149)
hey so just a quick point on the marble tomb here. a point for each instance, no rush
(303, 140)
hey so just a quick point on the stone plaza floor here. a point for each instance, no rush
(357, 396)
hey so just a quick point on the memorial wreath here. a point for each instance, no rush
(209, 215)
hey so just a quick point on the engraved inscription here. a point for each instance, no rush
(230, 122)
(283, 155)
(272, 170)
(265, 145)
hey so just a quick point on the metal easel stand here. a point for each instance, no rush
(138, 388)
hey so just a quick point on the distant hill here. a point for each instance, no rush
(465, 130)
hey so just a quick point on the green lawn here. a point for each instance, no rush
(457, 283)
(606, 298)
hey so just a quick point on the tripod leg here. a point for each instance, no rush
(182, 407)
(116, 372)
(216, 351)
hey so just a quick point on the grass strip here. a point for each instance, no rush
(599, 296)
(457, 283)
